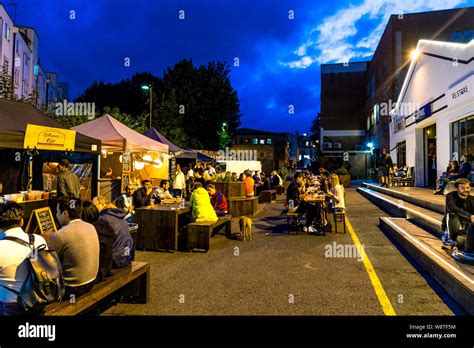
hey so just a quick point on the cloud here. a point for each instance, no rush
(338, 38)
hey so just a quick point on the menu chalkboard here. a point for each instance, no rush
(42, 220)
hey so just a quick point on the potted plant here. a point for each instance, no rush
(344, 175)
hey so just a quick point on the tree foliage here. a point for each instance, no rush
(190, 103)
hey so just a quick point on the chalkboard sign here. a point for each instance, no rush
(42, 220)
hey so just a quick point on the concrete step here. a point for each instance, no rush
(456, 278)
(430, 202)
(426, 218)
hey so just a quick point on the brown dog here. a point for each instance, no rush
(245, 228)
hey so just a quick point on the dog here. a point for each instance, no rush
(245, 228)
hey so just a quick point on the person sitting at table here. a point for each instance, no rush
(234, 177)
(90, 214)
(249, 185)
(275, 180)
(325, 184)
(162, 192)
(125, 202)
(141, 197)
(198, 177)
(336, 194)
(295, 197)
(200, 204)
(115, 218)
(256, 177)
(218, 200)
(241, 177)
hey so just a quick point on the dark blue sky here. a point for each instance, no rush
(279, 58)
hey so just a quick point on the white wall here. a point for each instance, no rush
(429, 79)
(6, 42)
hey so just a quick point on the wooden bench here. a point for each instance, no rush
(199, 233)
(339, 216)
(267, 196)
(280, 190)
(129, 284)
(243, 206)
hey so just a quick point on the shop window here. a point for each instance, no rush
(462, 139)
(255, 141)
(402, 154)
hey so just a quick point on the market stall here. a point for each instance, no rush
(31, 141)
(126, 157)
(177, 155)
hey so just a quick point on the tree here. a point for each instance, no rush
(190, 103)
(7, 87)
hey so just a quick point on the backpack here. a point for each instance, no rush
(44, 283)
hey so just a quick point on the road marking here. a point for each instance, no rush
(374, 279)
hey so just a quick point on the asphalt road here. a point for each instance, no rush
(281, 274)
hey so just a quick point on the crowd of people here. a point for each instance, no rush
(94, 238)
(304, 184)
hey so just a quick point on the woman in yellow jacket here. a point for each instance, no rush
(201, 207)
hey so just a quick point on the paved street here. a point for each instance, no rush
(281, 274)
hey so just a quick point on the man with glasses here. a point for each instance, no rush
(458, 222)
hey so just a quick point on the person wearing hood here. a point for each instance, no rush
(201, 207)
(122, 249)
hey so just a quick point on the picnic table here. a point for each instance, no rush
(159, 225)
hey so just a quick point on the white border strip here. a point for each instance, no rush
(390, 222)
(400, 206)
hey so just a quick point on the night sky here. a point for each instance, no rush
(279, 57)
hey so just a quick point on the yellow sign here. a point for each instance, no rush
(49, 138)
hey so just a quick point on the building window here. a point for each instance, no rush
(269, 155)
(6, 31)
(463, 138)
(17, 47)
(402, 154)
(262, 141)
(255, 141)
(269, 141)
(246, 141)
(262, 155)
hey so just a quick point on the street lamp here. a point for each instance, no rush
(145, 87)
(224, 126)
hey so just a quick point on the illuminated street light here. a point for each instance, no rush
(145, 87)
(415, 54)
(370, 145)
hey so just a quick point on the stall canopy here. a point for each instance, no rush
(180, 152)
(14, 117)
(117, 137)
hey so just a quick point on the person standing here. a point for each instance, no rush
(385, 163)
(179, 182)
(68, 183)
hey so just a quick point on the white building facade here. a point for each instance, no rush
(19, 50)
(433, 120)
